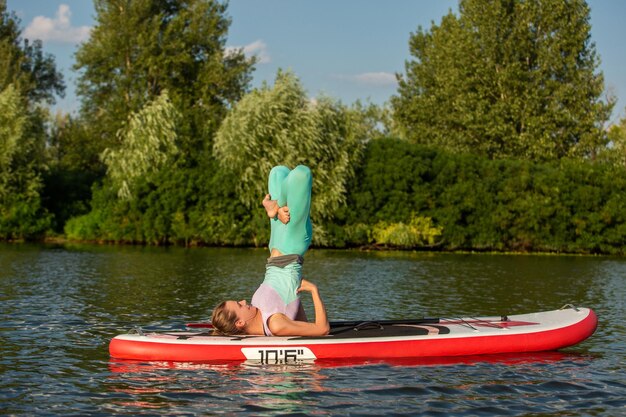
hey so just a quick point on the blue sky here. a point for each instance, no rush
(347, 49)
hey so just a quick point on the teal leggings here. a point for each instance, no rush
(291, 189)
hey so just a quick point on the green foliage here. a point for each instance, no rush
(66, 193)
(28, 79)
(615, 153)
(509, 78)
(483, 204)
(24, 65)
(164, 104)
(139, 48)
(281, 126)
(21, 216)
(418, 232)
(177, 206)
(162, 155)
(74, 165)
(12, 130)
(148, 142)
(70, 146)
(403, 195)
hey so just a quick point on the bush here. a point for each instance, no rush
(481, 204)
(419, 232)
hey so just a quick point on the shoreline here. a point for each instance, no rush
(63, 241)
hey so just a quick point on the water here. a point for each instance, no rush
(61, 305)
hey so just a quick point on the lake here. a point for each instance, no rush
(61, 305)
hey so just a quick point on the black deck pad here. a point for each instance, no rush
(373, 330)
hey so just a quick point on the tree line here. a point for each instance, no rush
(497, 138)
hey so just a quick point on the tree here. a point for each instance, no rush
(138, 49)
(21, 215)
(28, 81)
(73, 166)
(281, 126)
(148, 143)
(136, 52)
(616, 151)
(12, 134)
(24, 65)
(506, 78)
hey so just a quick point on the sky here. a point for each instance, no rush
(345, 49)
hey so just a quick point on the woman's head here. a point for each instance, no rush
(231, 317)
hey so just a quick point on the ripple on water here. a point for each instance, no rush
(60, 308)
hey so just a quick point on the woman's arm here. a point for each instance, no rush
(281, 325)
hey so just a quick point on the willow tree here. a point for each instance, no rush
(506, 78)
(148, 143)
(280, 125)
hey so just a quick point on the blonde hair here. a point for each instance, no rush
(223, 321)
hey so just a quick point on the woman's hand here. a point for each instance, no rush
(283, 214)
(307, 286)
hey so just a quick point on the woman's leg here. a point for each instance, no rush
(295, 236)
(274, 185)
(293, 189)
(275, 181)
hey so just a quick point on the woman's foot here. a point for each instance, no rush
(271, 207)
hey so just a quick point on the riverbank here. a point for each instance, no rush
(62, 241)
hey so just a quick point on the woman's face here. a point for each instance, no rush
(243, 310)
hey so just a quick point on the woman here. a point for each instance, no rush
(275, 308)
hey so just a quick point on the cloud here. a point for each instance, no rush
(382, 79)
(374, 79)
(59, 29)
(257, 48)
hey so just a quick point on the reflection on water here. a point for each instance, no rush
(438, 385)
(258, 388)
(123, 366)
(61, 305)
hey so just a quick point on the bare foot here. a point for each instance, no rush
(271, 206)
